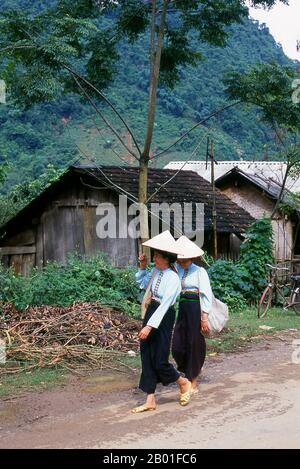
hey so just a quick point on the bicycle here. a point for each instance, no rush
(274, 290)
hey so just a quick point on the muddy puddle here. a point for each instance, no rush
(109, 382)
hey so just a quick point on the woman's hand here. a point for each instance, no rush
(204, 323)
(143, 334)
(143, 261)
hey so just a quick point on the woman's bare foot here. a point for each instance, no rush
(150, 401)
(150, 404)
(185, 390)
(142, 408)
(184, 384)
(194, 385)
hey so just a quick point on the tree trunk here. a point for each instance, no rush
(143, 185)
(280, 197)
(155, 58)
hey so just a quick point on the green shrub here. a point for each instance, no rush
(228, 280)
(80, 279)
(23, 193)
(241, 282)
(94, 279)
(256, 253)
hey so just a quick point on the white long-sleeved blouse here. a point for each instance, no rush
(195, 278)
(165, 288)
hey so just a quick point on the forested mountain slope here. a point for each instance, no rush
(62, 132)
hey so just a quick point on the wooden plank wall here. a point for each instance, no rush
(20, 251)
(69, 225)
(65, 225)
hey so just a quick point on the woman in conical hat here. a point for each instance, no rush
(189, 347)
(155, 336)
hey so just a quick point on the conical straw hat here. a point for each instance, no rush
(163, 242)
(188, 249)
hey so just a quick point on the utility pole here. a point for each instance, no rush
(214, 211)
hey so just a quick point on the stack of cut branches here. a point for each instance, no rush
(81, 335)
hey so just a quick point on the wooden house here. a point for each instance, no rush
(258, 195)
(63, 218)
(255, 186)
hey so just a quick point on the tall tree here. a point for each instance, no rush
(271, 88)
(72, 46)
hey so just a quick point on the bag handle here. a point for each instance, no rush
(144, 301)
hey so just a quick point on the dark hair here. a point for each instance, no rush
(172, 258)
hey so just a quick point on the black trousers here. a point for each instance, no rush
(189, 347)
(155, 352)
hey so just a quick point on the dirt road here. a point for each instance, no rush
(248, 400)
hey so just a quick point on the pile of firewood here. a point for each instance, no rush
(84, 334)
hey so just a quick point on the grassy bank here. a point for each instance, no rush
(244, 327)
(36, 380)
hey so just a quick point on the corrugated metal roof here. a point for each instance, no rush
(272, 170)
(268, 185)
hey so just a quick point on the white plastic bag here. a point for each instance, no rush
(218, 315)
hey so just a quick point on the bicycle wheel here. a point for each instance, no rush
(295, 300)
(264, 302)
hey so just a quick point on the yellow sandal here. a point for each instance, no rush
(185, 397)
(142, 408)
